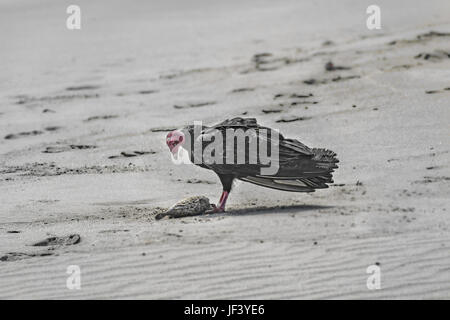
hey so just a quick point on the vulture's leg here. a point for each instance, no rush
(227, 182)
(223, 200)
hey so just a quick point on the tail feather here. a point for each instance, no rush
(323, 163)
(325, 158)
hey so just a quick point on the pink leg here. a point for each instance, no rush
(223, 200)
(221, 205)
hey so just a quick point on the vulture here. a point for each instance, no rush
(239, 148)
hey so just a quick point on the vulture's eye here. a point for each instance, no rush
(180, 139)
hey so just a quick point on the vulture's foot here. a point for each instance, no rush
(215, 209)
(221, 205)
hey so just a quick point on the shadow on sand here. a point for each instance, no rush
(273, 209)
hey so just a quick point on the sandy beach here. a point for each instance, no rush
(83, 120)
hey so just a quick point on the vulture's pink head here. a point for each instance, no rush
(174, 140)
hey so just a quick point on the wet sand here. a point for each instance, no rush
(83, 119)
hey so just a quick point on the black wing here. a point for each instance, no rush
(301, 169)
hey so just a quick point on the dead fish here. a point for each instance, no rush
(192, 206)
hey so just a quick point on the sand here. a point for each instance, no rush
(83, 119)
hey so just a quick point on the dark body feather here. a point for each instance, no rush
(301, 169)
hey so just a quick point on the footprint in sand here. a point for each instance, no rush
(63, 148)
(23, 134)
(421, 38)
(105, 117)
(162, 129)
(30, 133)
(147, 91)
(238, 90)
(292, 119)
(289, 100)
(430, 179)
(15, 256)
(313, 81)
(436, 55)
(83, 87)
(194, 105)
(24, 99)
(53, 128)
(59, 241)
(267, 62)
(131, 154)
(293, 99)
(49, 242)
(330, 66)
(437, 91)
(267, 111)
(292, 96)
